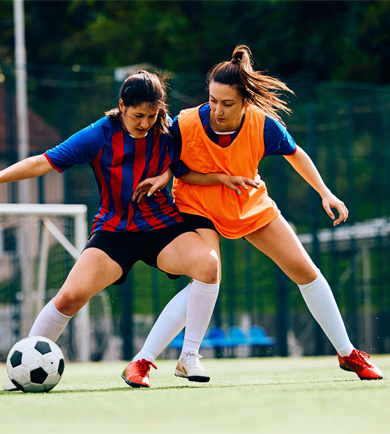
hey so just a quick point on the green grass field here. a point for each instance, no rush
(267, 395)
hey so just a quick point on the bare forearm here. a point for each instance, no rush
(303, 164)
(193, 177)
(31, 167)
(235, 183)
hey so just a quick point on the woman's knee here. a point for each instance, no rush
(209, 269)
(305, 272)
(70, 302)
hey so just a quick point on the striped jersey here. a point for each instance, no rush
(120, 162)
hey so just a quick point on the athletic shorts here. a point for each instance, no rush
(126, 248)
(198, 222)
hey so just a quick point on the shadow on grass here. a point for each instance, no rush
(326, 385)
(103, 390)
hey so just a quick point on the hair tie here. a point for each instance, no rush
(234, 60)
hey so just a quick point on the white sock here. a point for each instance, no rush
(168, 325)
(322, 305)
(201, 302)
(50, 323)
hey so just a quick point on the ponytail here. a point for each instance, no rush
(255, 87)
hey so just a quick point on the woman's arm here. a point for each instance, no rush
(31, 167)
(229, 181)
(303, 164)
(151, 185)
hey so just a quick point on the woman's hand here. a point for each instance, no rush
(234, 182)
(329, 201)
(150, 185)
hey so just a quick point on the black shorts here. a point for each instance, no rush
(126, 248)
(198, 222)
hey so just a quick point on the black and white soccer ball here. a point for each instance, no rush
(35, 364)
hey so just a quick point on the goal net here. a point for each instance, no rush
(39, 244)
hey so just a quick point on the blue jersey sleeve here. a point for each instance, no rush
(81, 148)
(178, 167)
(175, 131)
(277, 140)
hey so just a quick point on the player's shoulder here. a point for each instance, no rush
(105, 128)
(103, 122)
(106, 124)
(274, 125)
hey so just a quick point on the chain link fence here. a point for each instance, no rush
(345, 129)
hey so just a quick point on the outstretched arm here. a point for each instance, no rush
(31, 167)
(303, 164)
(151, 185)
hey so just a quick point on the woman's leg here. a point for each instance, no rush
(191, 305)
(169, 324)
(172, 319)
(93, 271)
(202, 264)
(188, 254)
(278, 241)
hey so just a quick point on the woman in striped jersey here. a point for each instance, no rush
(128, 145)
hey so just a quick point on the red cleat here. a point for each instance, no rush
(358, 362)
(136, 374)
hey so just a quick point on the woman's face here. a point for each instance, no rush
(227, 107)
(138, 120)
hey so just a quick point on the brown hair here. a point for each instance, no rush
(254, 86)
(144, 87)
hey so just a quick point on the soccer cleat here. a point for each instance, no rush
(189, 367)
(136, 374)
(358, 362)
(9, 386)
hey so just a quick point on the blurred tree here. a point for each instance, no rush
(6, 31)
(317, 40)
(374, 37)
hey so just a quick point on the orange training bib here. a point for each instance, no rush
(233, 215)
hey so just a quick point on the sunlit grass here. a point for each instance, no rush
(267, 395)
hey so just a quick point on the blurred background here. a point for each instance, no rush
(335, 56)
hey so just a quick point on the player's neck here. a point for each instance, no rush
(222, 129)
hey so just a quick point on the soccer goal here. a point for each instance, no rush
(39, 244)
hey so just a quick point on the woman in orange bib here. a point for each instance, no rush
(230, 135)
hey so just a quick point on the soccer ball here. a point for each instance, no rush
(35, 364)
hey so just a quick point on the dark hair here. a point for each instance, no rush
(254, 86)
(144, 87)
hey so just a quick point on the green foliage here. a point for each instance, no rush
(321, 40)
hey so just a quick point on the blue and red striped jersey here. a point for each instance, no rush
(119, 162)
(277, 140)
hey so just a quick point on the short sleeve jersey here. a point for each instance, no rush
(119, 162)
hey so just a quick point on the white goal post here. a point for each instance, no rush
(33, 287)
